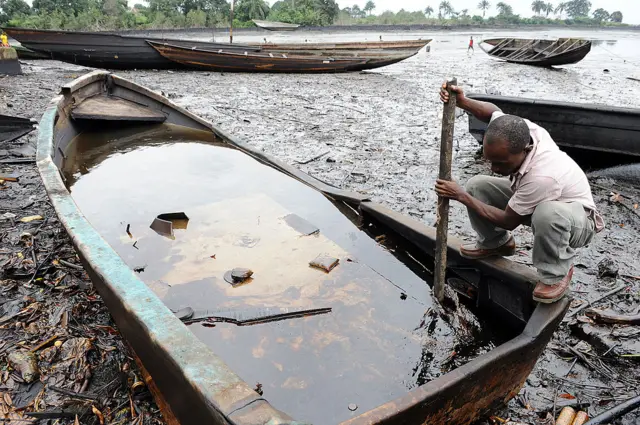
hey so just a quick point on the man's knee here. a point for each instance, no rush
(477, 185)
(549, 215)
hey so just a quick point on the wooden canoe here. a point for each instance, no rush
(592, 128)
(105, 50)
(563, 51)
(225, 61)
(362, 46)
(199, 385)
(275, 26)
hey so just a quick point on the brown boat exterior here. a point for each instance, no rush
(197, 384)
(538, 52)
(372, 46)
(224, 61)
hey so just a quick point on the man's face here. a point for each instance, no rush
(502, 161)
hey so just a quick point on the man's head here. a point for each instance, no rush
(506, 144)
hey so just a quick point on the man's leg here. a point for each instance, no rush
(494, 191)
(559, 228)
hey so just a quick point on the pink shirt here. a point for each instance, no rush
(548, 174)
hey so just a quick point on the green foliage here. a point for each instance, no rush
(428, 11)
(538, 6)
(484, 5)
(504, 9)
(578, 8)
(246, 10)
(616, 17)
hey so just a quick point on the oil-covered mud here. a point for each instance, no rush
(378, 133)
(373, 343)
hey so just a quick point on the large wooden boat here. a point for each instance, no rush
(586, 127)
(373, 347)
(105, 50)
(361, 46)
(224, 61)
(275, 26)
(563, 51)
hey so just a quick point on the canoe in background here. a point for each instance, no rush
(275, 26)
(224, 61)
(563, 51)
(196, 383)
(596, 128)
(12, 128)
(105, 50)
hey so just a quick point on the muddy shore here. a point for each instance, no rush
(381, 132)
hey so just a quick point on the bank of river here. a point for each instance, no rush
(381, 130)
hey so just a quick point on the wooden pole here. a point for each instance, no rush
(442, 223)
(231, 24)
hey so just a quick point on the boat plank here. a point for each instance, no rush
(113, 109)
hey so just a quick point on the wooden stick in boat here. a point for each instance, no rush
(231, 24)
(442, 223)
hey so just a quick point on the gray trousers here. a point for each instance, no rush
(558, 227)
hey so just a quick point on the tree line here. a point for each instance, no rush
(115, 14)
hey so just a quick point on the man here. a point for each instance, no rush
(470, 45)
(545, 189)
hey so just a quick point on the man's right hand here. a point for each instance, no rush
(444, 94)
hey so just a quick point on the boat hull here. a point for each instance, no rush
(586, 127)
(12, 128)
(104, 50)
(536, 58)
(275, 26)
(196, 384)
(371, 46)
(260, 62)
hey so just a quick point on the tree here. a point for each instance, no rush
(548, 8)
(13, 8)
(577, 8)
(464, 13)
(601, 15)
(428, 11)
(504, 9)
(562, 7)
(538, 6)
(616, 16)
(444, 9)
(356, 12)
(247, 10)
(484, 5)
(368, 8)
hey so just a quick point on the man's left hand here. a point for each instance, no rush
(450, 189)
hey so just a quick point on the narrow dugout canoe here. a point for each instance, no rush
(275, 26)
(373, 46)
(592, 128)
(563, 51)
(105, 50)
(225, 61)
(255, 194)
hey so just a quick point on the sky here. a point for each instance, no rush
(630, 8)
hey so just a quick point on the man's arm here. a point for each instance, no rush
(506, 219)
(477, 108)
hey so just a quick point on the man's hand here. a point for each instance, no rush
(451, 190)
(444, 94)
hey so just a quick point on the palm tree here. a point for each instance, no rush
(428, 11)
(548, 8)
(464, 12)
(504, 9)
(484, 5)
(561, 8)
(369, 7)
(446, 7)
(538, 6)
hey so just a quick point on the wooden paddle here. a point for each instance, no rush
(442, 223)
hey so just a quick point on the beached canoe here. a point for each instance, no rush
(587, 127)
(371, 46)
(167, 212)
(563, 51)
(225, 61)
(275, 26)
(12, 128)
(105, 50)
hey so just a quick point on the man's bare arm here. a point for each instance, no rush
(477, 108)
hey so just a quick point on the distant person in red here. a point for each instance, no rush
(470, 45)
